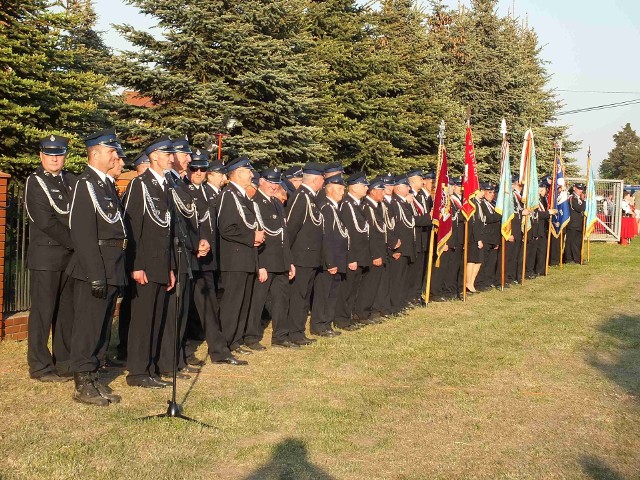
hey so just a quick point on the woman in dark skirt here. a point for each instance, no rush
(475, 247)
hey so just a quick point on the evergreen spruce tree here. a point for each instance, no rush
(47, 82)
(499, 73)
(623, 162)
(222, 59)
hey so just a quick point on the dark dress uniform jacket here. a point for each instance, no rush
(93, 200)
(204, 198)
(50, 245)
(577, 212)
(149, 246)
(274, 254)
(181, 197)
(402, 212)
(423, 221)
(237, 253)
(353, 218)
(492, 222)
(336, 239)
(377, 229)
(305, 233)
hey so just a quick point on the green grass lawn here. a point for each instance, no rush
(494, 388)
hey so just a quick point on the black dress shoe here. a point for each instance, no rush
(351, 328)
(179, 375)
(325, 333)
(144, 382)
(242, 351)
(257, 346)
(51, 377)
(367, 321)
(195, 361)
(302, 341)
(113, 363)
(190, 369)
(106, 392)
(334, 332)
(86, 391)
(285, 344)
(231, 360)
(164, 383)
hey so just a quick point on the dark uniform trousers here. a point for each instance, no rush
(147, 313)
(276, 287)
(205, 301)
(347, 295)
(369, 287)
(168, 328)
(325, 298)
(47, 199)
(382, 302)
(92, 261)
(124, 320)
(398, 283)
(487, 273)
(235, 306)
(554, 253)
(53, 311)
(300, 300)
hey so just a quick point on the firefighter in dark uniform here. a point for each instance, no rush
(47, 196)
(186, 229)
(216, 180)
(98, 265)
(293, 175)
(422, 228)
(370, 285)
(240, 237)
(304, 222)
(488, 275)
(544, 213)
(382, 303)
(401, 211)
(335, 245)
(575, 231)
(140, 164)
(275, 267)
(358, 254)
(216, 177)
(150, 264)
(330, 170)
(205, 301)
(514, 245)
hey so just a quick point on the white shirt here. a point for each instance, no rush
(333, 202)
(102, 175)
(242, 190)
(215, 189)
(375, 204)
(310, 189)
(160, 178)
(388, 198)
(354, 198)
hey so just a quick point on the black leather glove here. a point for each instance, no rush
(99, 288)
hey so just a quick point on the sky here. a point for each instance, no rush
(591, 48)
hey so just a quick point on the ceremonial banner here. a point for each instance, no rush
(504, 200)
(442, 205)
(560, 201)
(470, 182)
(591, 205)
(529, 176)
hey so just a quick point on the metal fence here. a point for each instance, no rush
(609, 213)
(16, 274)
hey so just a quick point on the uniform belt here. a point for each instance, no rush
(122, 244)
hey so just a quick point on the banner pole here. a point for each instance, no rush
(503, 260)
(464, 261)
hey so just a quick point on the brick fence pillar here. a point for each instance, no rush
(4, 183)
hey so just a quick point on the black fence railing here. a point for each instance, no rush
(16, 274)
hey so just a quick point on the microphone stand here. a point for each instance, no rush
(180, 241)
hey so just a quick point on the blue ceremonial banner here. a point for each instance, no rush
(560, 202)
(504, 200)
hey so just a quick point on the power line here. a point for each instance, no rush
(595, 91)
(601, 107)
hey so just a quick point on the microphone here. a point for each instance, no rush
(170, 180)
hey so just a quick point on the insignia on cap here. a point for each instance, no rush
(198, 151)
(52, 138)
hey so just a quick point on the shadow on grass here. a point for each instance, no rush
(595, 468)
(289, 462)
(621, 364)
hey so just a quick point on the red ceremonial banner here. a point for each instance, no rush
(442, 205)
(470, 182)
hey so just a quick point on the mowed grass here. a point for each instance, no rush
(499, 387)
